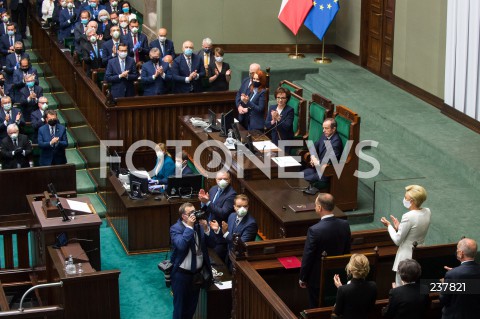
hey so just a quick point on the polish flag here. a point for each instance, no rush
(293, 12)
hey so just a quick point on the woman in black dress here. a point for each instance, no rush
(220, 71)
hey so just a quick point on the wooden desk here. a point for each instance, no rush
(269, 200)
(142, 226)
(90, 295)
(82, 227)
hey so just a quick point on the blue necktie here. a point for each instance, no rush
(217, 194)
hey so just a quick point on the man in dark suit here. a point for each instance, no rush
(15, 149)
(92, 52)
(246, 82)
(218, 203)
(52, 141)
(137, 42)
(38, 117)
(67, 21)
(19, 76)
(407, 301)
(80, 29)
(29, 95)
(5, 21)
(13, 60)
(240, 222)
(324, 155)
(4, 87)
(19, 15)
(112, 6)
(208, 59)
(181, 165)
(330, 235)
(9, 115)
(464, 306)
(94, 8)
(189, 255)
(121, 73)
(154, 76)
(7, 42)
(3, 6)
(110, 47)
(165, 45)
(187, 70)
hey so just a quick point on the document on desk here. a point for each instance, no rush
(79, 206)
(224, 285)
(290, 262)
(264, 146)
(285, 161)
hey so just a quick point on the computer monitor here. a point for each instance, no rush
(226, 123)
(115, 167)
(185, 186)
(212, 117)
(138, 179)
(236, 132)
(249, 143)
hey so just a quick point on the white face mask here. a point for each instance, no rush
(162, 39)
(122, 55)
(242, 211)
(124, 24)
(406, 203)
(219, 59)
(222, 183)
(134, 30)
(14, 136)
(116, 34)
(44, 106)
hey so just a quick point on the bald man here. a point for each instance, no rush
(466, 305)
(165, 45)
(246, 82)
(187, 70)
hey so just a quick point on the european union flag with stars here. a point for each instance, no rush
(320, 16)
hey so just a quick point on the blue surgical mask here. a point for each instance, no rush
(125, 10)
(93, 4)
(188, 52)
(10, 33)
(30, 84)
(84, 21)
(7, 106)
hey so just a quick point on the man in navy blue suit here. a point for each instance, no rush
(246, 82)
(38, 117)
(137, 42)
(239, 222)
(154, 75)
(181, 164)
(52, 141)
(218, 203)
(92, 52)
(112, 6)
(13, 60)
(121, 73)
(9, 115)
(29, 95)
(190, 241)
(7, 42)
(465, 306)
(67, 19)
(19, 15)
(110, 47)
(330, 235)
(165, 45)
(187, 70)
(94, 8)
(15, 149)
(19, 76)
(325, 154)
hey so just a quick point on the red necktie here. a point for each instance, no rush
(137, 55)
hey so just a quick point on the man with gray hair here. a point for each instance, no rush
(154, 74)
(9, 115)
(246, 83)
(208, 58)
(15, 149)
(467, 304)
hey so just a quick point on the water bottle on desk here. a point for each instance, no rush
(70, 268)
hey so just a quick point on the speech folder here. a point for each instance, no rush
(290, 262)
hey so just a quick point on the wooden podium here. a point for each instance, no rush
(84, 229)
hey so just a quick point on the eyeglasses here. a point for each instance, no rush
(281, 98)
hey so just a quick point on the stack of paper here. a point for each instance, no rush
(265, 146)
(286, 161)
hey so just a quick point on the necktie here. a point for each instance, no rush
(137, 55)
(217, 194)
(11, 41)
(95, 49)
(8, 113)
(196, 242)
(189, 63)
(18, 57)
(162, 47)
(206, 62)
(237, 221)
(122, 65)
(15, 143)
(52, 132)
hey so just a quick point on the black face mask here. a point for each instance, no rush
(256, 84)
(18, 51)
(2, 82)
(52, 122)
(155, 60)
(24, 69)
(207, 51)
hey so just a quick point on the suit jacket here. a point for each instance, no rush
(180, 71)
(167, 169)
(336, 143)
(284, 129)
(154, 86)
(3, 26)
(211, 60)
(142, 50)
(11, 65)
(169, 47)
(94, 11)
(88, 51)
(67, 24)
(109, 8)
(187, 171)
(464, 306)
(244, 88)
(182, 241)
(37, 121)
(407, 302)
(223, 205)
(13, 115)
(79, 34)
(331, 235)
(5, 42)
(29, 106)
(107, 48)
(52, 155)
(10, 160)
(254, 119)
(121, 87)
(247, 229)
(104, 30)
(19, 74)
(356, 299)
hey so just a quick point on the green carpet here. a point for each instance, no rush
(85, 184)
(97, 204)
(74, 157)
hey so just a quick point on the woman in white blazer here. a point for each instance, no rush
(413, 226)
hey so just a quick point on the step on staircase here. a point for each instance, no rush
(83, 146)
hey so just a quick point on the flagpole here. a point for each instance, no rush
(296, 55)
(323, 59)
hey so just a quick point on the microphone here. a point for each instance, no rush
(65, 218)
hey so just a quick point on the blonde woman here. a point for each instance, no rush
(413, 226)
(357, 298)
(165, 165)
